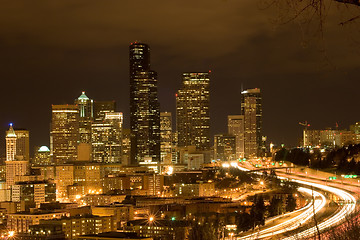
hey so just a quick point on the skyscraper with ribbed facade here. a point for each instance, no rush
(144, 106)
(236, 128)
(64, 135)
(193, 111)
(251, 108)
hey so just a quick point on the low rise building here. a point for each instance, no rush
(73, 227)
(160, 229)
(20, 222)
(194, 190)
(114, 235)
(33, 193)
(121, 213)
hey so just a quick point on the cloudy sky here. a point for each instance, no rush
(50, 51)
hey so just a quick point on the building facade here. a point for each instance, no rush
(224, 147)
(166, 137)
(86, 115)
(64, 136)
(144, 106)
(251, 108)
(236, 128)
(103, 107)
(42, 156)
(10, 139)
(193, 111)
(22, 151)
(107, 138)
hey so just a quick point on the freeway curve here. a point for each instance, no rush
(307, 212)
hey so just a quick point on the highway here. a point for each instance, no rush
(304, 215)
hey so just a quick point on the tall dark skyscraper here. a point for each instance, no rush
(103, 107)
(144, 106)
(193, 111)
(251, 108)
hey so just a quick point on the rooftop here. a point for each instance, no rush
(115, 235)
(83, 96)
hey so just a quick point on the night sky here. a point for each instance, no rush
(50, 51)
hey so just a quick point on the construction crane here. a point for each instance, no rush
(305, 124)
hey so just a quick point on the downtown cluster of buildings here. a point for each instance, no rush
(330, 138)
(99, 177)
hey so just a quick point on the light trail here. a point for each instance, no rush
(334, 220)
(294, 222)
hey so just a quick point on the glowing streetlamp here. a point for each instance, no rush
(11, 234)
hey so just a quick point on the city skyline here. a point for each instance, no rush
(158, 120)
(292, 92)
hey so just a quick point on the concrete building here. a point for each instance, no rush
(343, 138)
(194, 189)
(14, 169)
(75, 226)
(121, 213)
(195, 161)
(160, 228)
(78, 178)
(20, 222)
(33, 193)
(114, 235)
(236, 128)
(224, 147)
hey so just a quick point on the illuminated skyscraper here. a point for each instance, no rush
(22, 144)
(236, 128)
(166, 137)
(64, 135)
(125, 146)
(86, 115)
(106, 138)
(251, 108)
(14, 167)
(10, 144)
(225, 147)
(192, 111)
(42, 156)
(144, 106)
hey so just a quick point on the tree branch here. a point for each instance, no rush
(353, 2)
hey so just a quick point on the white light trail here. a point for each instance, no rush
(294, 222)
(346, 210)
